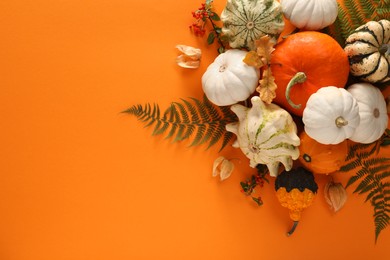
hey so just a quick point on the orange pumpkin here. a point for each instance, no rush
(318, 56)
(320, 158)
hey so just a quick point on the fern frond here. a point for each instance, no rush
(375, 161)
(354, 13)
(351, 166)
(372, 172)
(381, 218)
(197, 119)
(368, 183)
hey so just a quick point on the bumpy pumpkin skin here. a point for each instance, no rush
(296, 191)
(320, 158)
(368, 50)
(295, 201)
(266, 134)
(245, 21)
(316, 54)
(310, 14)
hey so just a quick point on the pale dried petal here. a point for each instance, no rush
(184, 62)
(190, 57)
(217, 162)
(222, 167)
(226, 169)
(335, 195)
(190, 51)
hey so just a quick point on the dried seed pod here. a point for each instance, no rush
(189, 58)
(335, 195)
(222, 167)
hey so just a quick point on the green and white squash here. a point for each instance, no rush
(368, 50)
(245, 21)
(266, 134)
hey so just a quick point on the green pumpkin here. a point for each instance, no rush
(245, 21)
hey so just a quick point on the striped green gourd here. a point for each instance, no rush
(368, 49)
(266, 134)
(245, 21)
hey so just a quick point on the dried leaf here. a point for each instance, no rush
(262, 55)
(253, 59)
(265, 47)
(222, 167)
(267, 87)
(190, 57)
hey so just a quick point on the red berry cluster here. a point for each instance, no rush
(201, 15)
(248, 187)
(197, 29)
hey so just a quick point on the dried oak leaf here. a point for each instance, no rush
(267, 87)
(262, 58)
(262, 55)
(265, 47)
(253, 59)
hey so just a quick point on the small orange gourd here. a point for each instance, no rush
(321, 158)
(295, 190)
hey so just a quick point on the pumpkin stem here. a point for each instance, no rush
(340, 122)
(376, 113)
(307, 158)
(384, 49)
(300, 77)
(295, 224)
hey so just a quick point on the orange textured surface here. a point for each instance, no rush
(79, 180)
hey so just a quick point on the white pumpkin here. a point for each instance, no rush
(266, 134)
(229, 80)
(331, 115)
(372, 110)
(245, 21)
(310, 14)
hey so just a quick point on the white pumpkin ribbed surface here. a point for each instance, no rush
(229, 80)
(372, 111)
(310, 14)
(323, 111)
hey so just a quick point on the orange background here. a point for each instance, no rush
(79, 180)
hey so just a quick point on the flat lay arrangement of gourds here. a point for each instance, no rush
(314, 101)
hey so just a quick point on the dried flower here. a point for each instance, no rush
(222, 167)
(190, 57)
(335, 195)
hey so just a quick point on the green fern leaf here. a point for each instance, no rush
(371, 172)
(381, 219)
(354, 13)
(368, 183)
(359, 174)
(351, 166)
(197, 119)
